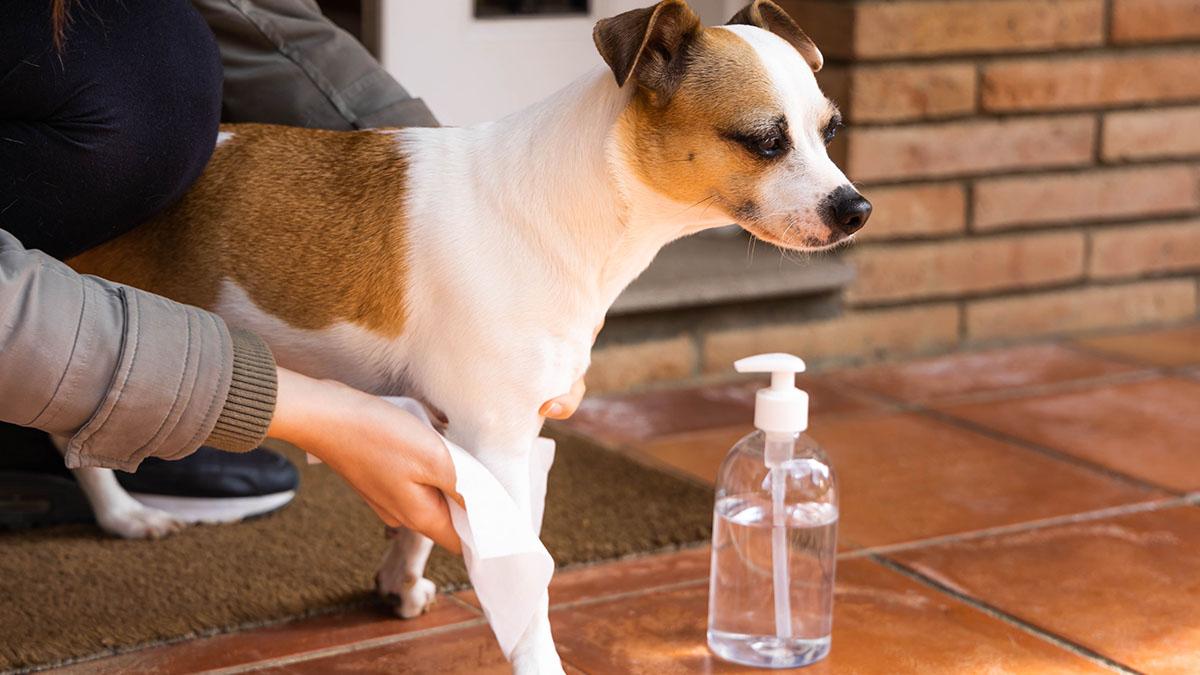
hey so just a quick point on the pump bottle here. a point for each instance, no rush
(774, 533)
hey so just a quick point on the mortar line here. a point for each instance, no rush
(1011, 619)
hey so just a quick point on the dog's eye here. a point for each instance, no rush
(831, 129)
(768, 145)
(769, 142)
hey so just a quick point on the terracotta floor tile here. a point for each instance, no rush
(696, 453)
(468, 650)
(638, 417)
(906, 477)
(306, 635)
(957, 375)
(1125, 587)
(623, 576)
(1170, 347)
(883, 623)
(1148, 429)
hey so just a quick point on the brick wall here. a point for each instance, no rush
(1034, 165)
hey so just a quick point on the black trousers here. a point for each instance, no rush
(104, 134)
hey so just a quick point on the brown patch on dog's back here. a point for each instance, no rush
(308, 222)
(677, 147)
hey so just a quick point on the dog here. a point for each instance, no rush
(469, 267)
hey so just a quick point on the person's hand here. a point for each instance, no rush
(396, 463)
(562, 407)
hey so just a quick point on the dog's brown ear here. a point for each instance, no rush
(770, 16)
(648, 44)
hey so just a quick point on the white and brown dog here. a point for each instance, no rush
(469, 267)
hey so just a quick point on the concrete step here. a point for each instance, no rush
(718, 280)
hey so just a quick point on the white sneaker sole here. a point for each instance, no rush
(212, 511)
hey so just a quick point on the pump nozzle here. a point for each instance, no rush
(781, 408)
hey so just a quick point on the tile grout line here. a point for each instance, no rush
(386, 640)
(625, 595)
(1117, 357)
(1192, 499)
(350, 648)
(1010, 619)
(1060, 455)
(1044, 389)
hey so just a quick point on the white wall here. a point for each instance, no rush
(471, 70)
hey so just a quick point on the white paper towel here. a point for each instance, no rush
(506, 561)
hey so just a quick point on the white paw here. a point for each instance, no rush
(542, 662)
(139, 522)
(409, 598)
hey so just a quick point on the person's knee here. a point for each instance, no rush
(135, 134)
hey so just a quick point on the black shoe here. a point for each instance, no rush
(36, 489)
(211, 486)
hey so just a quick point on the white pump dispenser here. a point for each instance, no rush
(776, 486)
(780, 410)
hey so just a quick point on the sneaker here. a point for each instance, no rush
(211, 486)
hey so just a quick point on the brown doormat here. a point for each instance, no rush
(71, 592)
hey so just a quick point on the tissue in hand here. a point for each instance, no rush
(506, 561)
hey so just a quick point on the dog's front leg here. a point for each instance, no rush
(401, 577)
(505, 447)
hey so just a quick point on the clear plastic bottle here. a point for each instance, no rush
(774, 534)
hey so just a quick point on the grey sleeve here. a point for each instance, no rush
(285, 63)
(123, 373)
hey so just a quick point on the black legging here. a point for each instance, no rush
(103, 135)
(100, 137)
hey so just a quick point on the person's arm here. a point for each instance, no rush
(126, 374)
(122, 373)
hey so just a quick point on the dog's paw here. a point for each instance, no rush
(409, 598)
(139, 522)
(543, 663)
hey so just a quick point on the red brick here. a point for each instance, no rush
(975, 147)
(1133, 250)
(925, 27)
(909, 92)
(932, 209)
(1155, 20)
(1106, 194)
(1146, 134)
(1087, 81)
(1073, 311)
(830, 24)
(910, 330)
(912, 271)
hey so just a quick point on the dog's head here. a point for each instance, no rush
(732, 116)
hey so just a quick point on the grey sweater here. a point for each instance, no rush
(125, 374)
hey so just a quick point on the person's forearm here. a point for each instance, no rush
(123, 373)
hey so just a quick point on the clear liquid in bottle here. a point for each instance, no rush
(752, 620)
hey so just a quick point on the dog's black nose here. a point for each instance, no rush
(850, 210)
